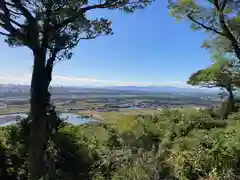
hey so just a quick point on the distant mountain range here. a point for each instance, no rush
(162, 89)
(153, 89)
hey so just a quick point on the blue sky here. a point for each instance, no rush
(148, 48)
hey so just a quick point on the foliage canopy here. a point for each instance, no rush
(218, 17)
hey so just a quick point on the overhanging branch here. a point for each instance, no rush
(87, 38)
(106, 4)
(204, 26)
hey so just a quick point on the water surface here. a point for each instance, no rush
(69, 117)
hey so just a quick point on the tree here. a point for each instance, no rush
(219, 17)
(221, 74)
(51, 29)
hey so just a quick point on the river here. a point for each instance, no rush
(69, 117)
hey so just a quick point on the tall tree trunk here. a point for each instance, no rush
(39, 125)
(231, 101)
(230, 106)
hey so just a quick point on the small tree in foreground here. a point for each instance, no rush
(222, 74)
(50, 29)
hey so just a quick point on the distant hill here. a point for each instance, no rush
(163, 89)
(111, 89)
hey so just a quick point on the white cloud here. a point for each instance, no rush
(22, 79)
(98, 82)
(83, 81)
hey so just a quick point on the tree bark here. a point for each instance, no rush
(230, 107)
(39, 126)
(231, 101)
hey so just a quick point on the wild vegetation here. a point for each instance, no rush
(174, 145)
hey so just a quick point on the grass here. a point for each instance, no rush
(122, 119)
(14, 109)
(116, 115)
(96, 132)
(2, 134)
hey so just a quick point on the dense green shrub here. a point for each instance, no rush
(66, 157)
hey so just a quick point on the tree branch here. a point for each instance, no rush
(5, 34)
(86, 38)
(46, 25)
(16, 23)
(83, 10)
(13, 6)
(101, 6)
(223, 5)
(25, 12)
(5, 17)
(15, 13)
(208, 85)
(32, 22)
(225, 28)
(204, 26)
(9, 4)
(7, 21)
(49, 65)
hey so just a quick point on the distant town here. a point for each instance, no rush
(15, 98)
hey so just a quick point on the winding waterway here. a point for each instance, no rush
(69, 117)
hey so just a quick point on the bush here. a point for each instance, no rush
(66, 157)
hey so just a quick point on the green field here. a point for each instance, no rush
(14, 109)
